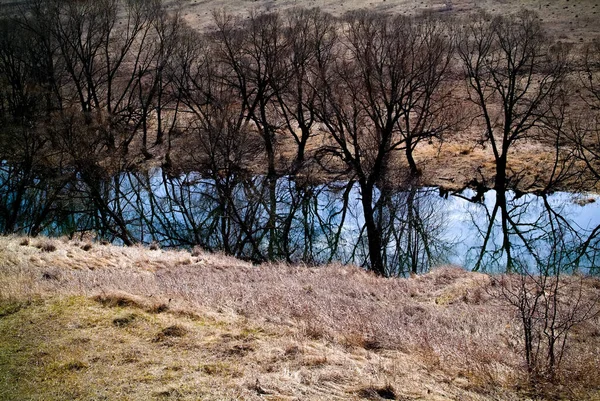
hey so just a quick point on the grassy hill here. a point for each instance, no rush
(567, 20)
(85, 321)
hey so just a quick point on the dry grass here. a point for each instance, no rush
(570, 21)
(133, 323)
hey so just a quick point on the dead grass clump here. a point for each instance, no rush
(238, 350)
(174, 331)
(46, 246)
(119, 300)
(24, 242)
(360, 340)
(124, 300)
(129, 358)
(197, 251)
(219, 369)
(168, 393)
(386, 392)
(158, 308)
(447, 275)
(10, 308)
(185, 262)
(314, 331)
(475, 296)
(292, 350)
(315, 361)
(417, 313)
(86, 247)
(170, 332)
(49, 276)
(74, 366)
(258, 388)
(124, 321)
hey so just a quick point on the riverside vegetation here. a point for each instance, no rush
(120, 118)
(288, 137)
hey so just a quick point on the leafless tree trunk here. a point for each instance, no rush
(582, 120)
(309, 36)
(513, 77)
(254, 54)
(383, 93)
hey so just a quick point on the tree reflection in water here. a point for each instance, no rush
(314, 223)
(533, 234)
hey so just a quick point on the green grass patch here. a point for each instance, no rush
(9, 307)
(36, 363)
(75, 348)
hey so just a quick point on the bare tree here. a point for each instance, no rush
(253, 53)
(224, 144)
(309, 36)
(541, 251)
(382, 94)
(582, 119)
(549, 301)
(430, 108)
(47, 69)
(152, 78)
(514, 78)
(31, 178)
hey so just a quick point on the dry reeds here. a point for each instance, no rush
(447, 321)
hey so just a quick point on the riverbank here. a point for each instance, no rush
(82, 320)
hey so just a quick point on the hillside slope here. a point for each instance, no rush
(85, 321)
(570, 21)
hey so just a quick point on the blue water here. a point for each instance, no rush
(439, 230)
(314, 224)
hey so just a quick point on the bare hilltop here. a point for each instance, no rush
(569, 20)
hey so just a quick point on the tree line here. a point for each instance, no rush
(266, 108)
